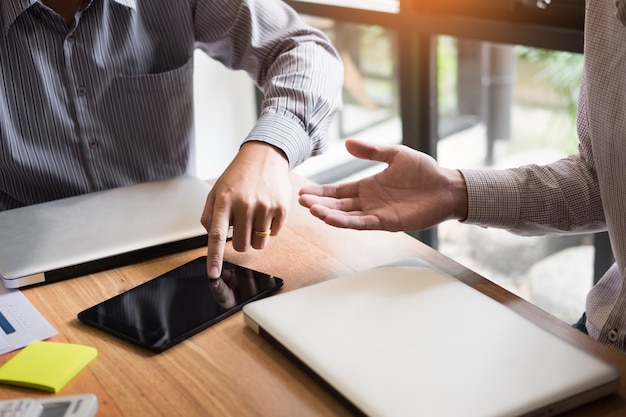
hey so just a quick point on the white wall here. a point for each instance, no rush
(225, 112)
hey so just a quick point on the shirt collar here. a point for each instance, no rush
(11, 9)
(132, 4)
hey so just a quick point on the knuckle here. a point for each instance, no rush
(246, 203)
(240, 247)
(205, 221)
(217, 235)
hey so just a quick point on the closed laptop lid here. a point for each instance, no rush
(85, 233)
(409, 340)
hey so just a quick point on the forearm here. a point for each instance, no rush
(559, 198)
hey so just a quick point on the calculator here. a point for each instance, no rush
(82, 405)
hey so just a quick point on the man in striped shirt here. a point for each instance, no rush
(582, 193)
(98, 94)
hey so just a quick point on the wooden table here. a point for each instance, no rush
(227, 370)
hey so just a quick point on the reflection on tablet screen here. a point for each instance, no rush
(170, 308)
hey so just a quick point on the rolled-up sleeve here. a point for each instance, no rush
(296, 67)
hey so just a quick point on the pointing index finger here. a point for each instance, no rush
(217, 236)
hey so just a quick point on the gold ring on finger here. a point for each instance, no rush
(264, 233)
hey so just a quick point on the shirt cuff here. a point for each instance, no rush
(285, 134)
(493, 198)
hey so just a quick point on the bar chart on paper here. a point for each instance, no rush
(20, 322)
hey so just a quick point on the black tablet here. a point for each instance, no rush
(178, 304)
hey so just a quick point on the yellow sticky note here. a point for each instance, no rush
(46, 366)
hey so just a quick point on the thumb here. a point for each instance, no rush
(370, 151)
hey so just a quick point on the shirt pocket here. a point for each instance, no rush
(152, 116)
(167, 81)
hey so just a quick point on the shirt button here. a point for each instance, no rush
(93, 143)
(612, 336)
(82, 90)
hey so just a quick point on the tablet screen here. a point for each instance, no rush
(172, 307)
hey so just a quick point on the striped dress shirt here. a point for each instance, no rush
(107, 100)
(585, 192)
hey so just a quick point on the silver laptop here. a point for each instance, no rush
(78, 235)
(409, 340)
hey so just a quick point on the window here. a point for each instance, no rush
(370, 96)
(503, 106)
(485, 83)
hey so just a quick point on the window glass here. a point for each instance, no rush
(503, 106)
(370, 96)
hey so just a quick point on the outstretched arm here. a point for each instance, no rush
(412, 193)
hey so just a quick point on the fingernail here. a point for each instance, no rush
(214, 272)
